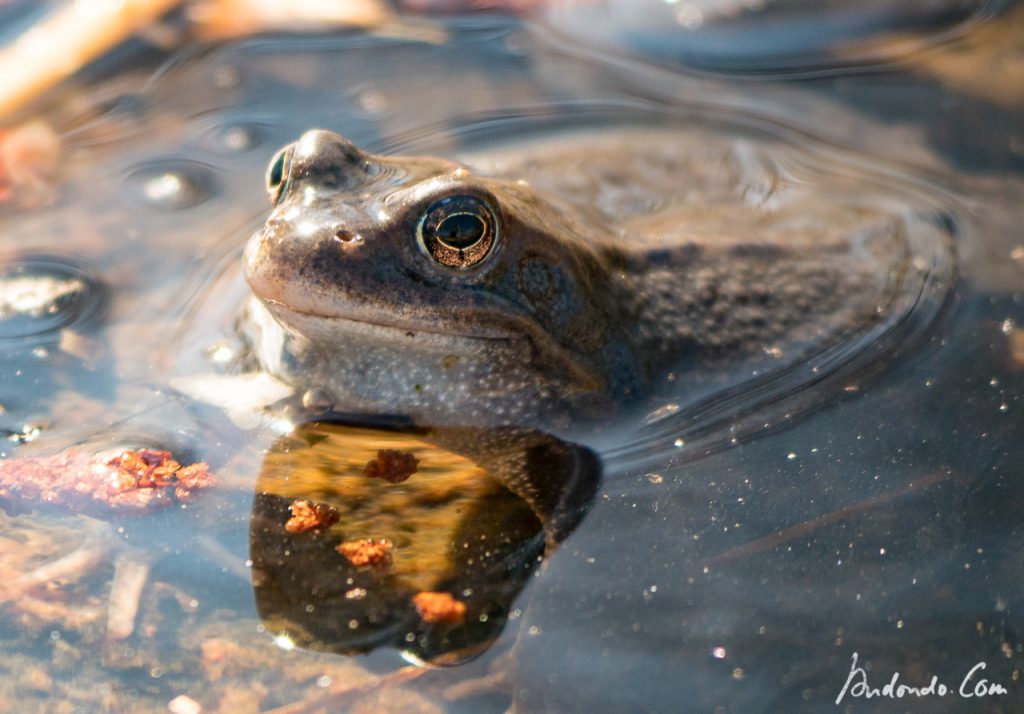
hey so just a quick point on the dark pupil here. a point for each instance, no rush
(277, 171)
(461, 230)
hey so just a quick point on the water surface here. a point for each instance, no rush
(747, 537)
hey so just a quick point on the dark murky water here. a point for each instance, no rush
(749, 534)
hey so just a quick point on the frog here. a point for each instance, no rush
(555, 280)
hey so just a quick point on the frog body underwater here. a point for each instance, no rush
(557, 283)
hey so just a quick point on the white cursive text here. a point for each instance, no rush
(973, 685)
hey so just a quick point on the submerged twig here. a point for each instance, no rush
(94, 549)
(131, 571)
(337, 696)
(221, 19)
(78, 32)
(65, 40)
(802, 529)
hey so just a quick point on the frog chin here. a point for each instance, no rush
(530, 350)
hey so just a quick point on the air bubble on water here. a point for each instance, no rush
(162, 187)
(317, 400)
(41, 296)
(372, 102)
(234, 136)
(227, 77)
(238, 138)
(171, 185)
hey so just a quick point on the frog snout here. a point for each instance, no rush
(295, 248)
(295, 241)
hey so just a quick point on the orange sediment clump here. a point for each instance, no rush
(375, 553)
(127, 480)
(392, 466)
(307, 516)
(434, 608)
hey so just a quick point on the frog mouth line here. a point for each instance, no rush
(407, 329)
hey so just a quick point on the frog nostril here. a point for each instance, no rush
(347, 237)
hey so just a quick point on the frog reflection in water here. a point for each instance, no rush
(550, 284)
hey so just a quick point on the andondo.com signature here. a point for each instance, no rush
(973, 685)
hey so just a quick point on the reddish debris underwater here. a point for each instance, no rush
(125, 480)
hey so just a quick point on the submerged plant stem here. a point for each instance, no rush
(807, 527)
(341, 694)
(65, 40)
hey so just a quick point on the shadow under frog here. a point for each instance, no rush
(465, 516)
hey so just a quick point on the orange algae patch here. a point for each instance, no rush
(434, 608)
(307, 516)
(375, 553)
(128, 480)
(392, 466)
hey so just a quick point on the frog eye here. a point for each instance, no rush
(277, 174)
(457, 231)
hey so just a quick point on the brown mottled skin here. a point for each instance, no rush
(616, 258)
